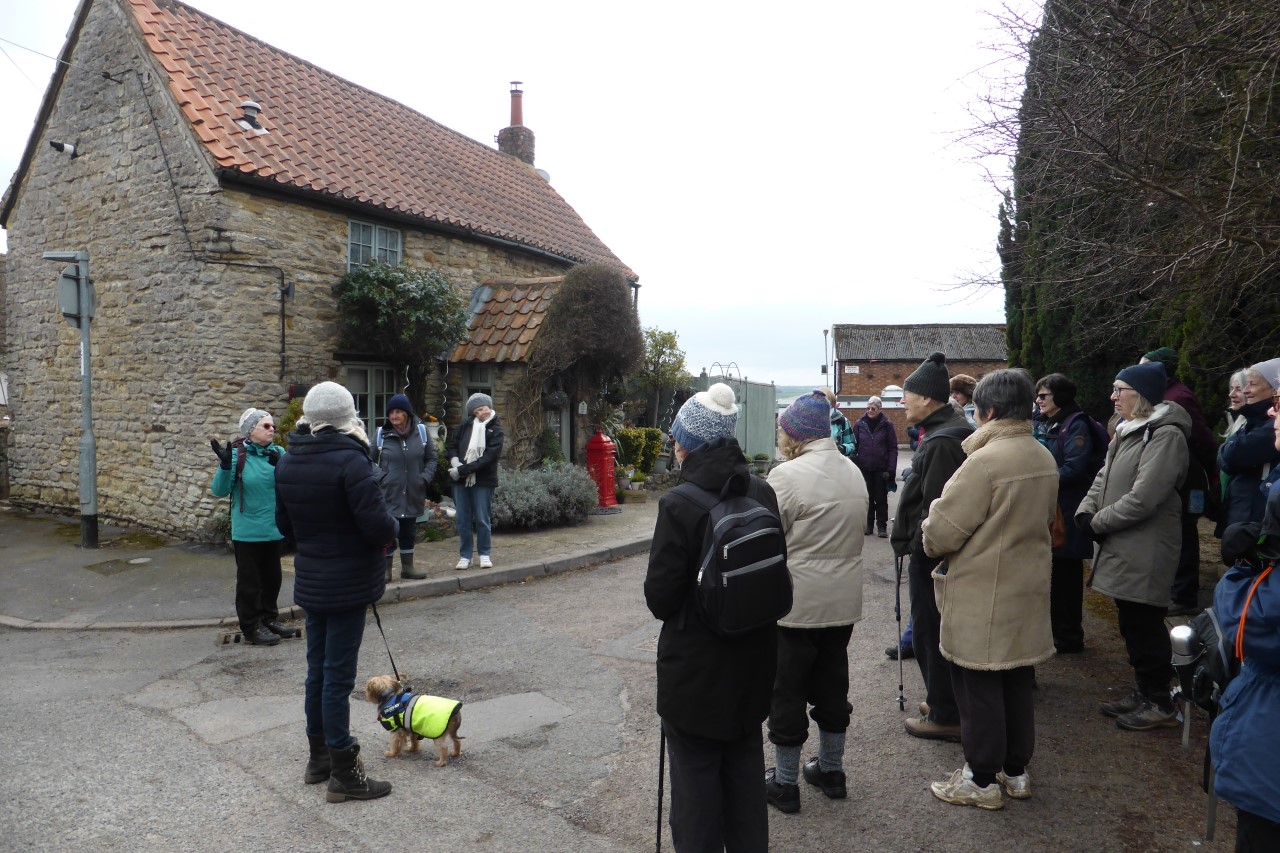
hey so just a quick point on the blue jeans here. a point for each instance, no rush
(333, 646)
(472, 503)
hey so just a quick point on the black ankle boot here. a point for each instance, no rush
(318, 765)
(347, 779)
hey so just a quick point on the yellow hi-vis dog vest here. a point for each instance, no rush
(428, 715)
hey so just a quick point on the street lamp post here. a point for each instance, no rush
(825, 360)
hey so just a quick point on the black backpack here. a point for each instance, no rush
(742, 582)
(1097, 433)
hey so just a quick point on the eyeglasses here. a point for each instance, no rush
(1045, 395)
(1116, 389)
(271, 427)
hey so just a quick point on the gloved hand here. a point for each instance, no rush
(223, 454)
(455, 462)
(453, 473)
(887, 476)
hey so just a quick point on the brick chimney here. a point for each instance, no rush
(517, 140)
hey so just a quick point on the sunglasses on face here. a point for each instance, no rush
(271, 427)
(1044, 395)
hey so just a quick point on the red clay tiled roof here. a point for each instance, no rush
(344, 142)
(510, 314)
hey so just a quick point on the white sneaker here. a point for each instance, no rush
(960, 790)
(485, 562)
(464, 563)
(1018, 787)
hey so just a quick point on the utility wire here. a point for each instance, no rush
(17, 66)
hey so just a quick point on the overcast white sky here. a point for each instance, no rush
(767, 169)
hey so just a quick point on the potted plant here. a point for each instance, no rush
(761, 462)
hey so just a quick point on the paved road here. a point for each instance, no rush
(140, 741)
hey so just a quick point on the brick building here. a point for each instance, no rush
(869, 359)
(221, 188)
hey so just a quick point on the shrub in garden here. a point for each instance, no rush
(630, 446)
(651, 448)
(558, 494)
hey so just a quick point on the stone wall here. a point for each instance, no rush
(188, 331)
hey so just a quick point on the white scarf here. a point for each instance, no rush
(475, 447)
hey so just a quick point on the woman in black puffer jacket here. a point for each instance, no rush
(328, 500)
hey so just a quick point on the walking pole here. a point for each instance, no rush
(897, 639)
(662, 755)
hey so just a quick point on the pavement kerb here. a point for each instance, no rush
(397, 591)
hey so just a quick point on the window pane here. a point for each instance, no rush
(358, 380)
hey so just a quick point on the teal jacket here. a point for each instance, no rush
(253, 506)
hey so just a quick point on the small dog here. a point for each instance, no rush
(410, 717)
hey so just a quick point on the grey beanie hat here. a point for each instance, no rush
(477, 400)
(329, 404)
(250, 418)
(930, 379)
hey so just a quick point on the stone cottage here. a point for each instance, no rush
(222, 187)
(869, 359)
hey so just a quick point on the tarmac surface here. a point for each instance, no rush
(137, 580)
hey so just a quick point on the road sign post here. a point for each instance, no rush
(79, 315)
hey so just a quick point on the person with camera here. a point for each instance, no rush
(1245, 738)
(247, 473)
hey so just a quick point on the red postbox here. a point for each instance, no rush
(600, 455)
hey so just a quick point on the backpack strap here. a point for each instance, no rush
(1245, 612)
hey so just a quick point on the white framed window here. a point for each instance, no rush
(372, 385)
(367, 242)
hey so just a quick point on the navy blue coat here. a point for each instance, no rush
(1245, 738)
(1243, 457)
(1078, 463)
(328, 500)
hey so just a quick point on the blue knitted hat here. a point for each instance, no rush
(705, 416)
(401, 402)
(808, 418)
(1148, 379)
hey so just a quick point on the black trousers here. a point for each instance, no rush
(1066, 603)
(1186, 580)
(257, 583)
(717, 793)
(813, 669)
(1150, 653)
(878, 505)
(926, 625)
(407, 534)
(997, 718)
(1256, 834)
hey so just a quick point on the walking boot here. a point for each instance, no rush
(318, 765)
(258, 636)
(406, 567)
(388, 567)
(281, 630)
(347, 780)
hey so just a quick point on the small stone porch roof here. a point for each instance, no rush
(506, 316)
